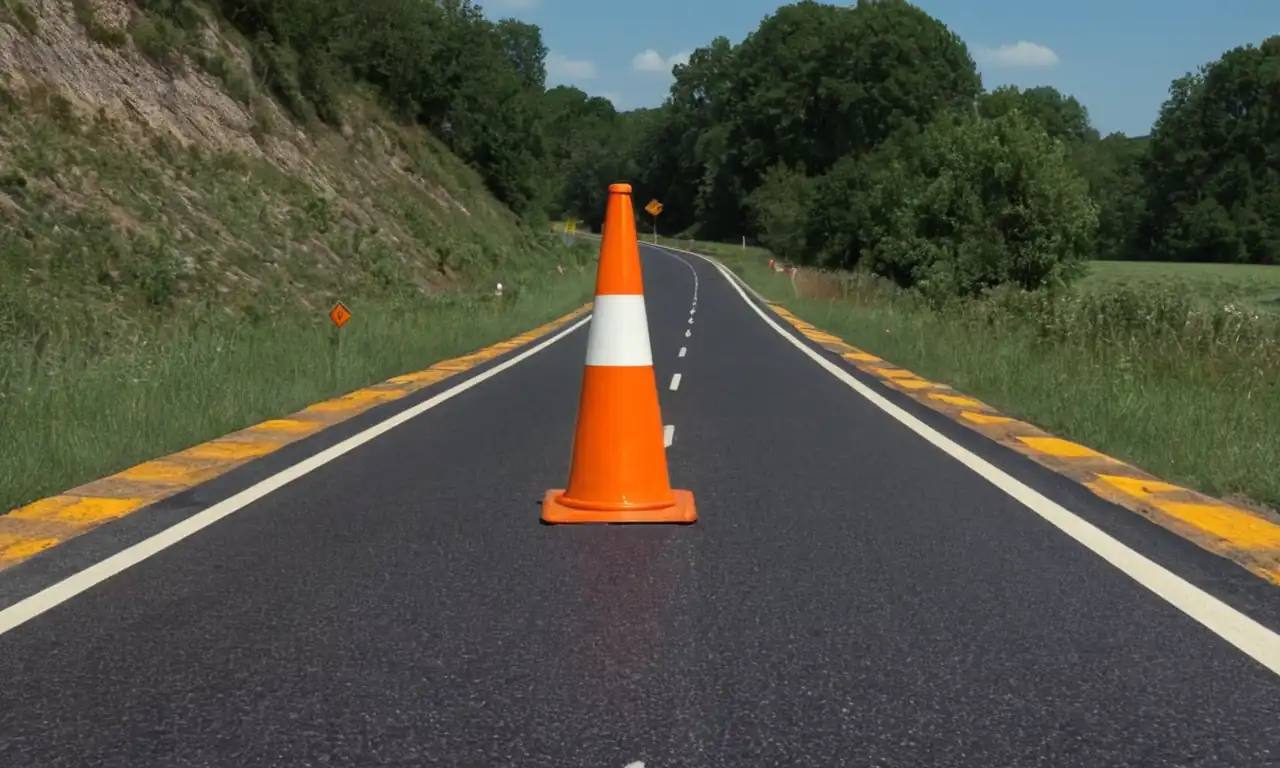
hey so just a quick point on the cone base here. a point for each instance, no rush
(682, 511)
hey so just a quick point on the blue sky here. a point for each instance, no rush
(1116, 56)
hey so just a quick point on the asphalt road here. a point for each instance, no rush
(850, 596)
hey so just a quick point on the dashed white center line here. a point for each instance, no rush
(683, 351)
(668, 435)
(691, 321)
(688, 333)
(675, 382)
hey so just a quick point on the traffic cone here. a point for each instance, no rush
(618, 472)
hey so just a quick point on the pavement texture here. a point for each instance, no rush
(849, 596)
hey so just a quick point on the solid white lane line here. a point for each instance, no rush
(1255, 640)
(668, 435)
(675, 382)
(683, 351)
(24, 610)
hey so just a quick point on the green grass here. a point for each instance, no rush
(79, 420)
(1246, 285)
(1144, 371)
(153, 297)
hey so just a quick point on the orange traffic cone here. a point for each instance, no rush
(619, 468)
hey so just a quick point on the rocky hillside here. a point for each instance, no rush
(141, 180)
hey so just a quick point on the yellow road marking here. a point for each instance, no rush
(981, 418)
(1056, 446)
(429, 376)
(894, 373)
(1234, 525)
(823, 337)
(361, 398)
(170, 473)
(75, 510)
(916, 383)
(13, 548)
(862, 357)
(290, 426)
(232, 451)
(1138, 487)
(963, 402)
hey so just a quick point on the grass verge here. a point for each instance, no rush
(80, 420)
(1143, 373)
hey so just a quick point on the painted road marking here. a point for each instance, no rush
(668, 435)
(31, 529)
(1056, 446)
(1205, 525)
(687, 334)
(983, 418)
(962, 402)
(675, 382)
(30, 607)
(691, 321)
(1255, 640)
(683, 351)
(76, 510)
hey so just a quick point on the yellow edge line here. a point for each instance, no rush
(1248, 539)
(40, 525)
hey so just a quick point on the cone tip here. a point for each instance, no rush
(619, 189)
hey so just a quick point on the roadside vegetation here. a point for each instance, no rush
(1121, 291)
(185, 192)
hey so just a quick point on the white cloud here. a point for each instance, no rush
(561, 68)
(650, 60)
(1019, 55)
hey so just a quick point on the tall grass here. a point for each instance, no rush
(68, 418)
(1149, 373)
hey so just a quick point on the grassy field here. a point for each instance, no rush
(79, 420)
(1245, 285)
(1164, 366)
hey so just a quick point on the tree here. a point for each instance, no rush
(1113, 168)
(1213, 171)
(1062, 117)
(780, 208)
(523, 48)
(969, 204)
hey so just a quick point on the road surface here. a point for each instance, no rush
(852, 595)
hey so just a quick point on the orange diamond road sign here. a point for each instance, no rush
(339, 314)
(654, 207)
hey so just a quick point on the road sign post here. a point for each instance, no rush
(654, 208)
(339, 316)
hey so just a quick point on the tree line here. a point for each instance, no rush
(843, 136)
(835, 135)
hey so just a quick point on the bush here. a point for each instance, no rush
(966, 205)
(780, 207)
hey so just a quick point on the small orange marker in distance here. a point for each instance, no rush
(618, 473)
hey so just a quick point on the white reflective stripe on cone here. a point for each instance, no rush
(619, 333)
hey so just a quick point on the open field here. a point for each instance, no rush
(1247, 285)
(1141, 369)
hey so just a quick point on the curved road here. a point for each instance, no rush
(852, 595)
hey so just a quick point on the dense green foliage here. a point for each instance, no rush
(841, 136)
(804, 136)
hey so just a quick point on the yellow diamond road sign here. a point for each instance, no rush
(654, 207)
